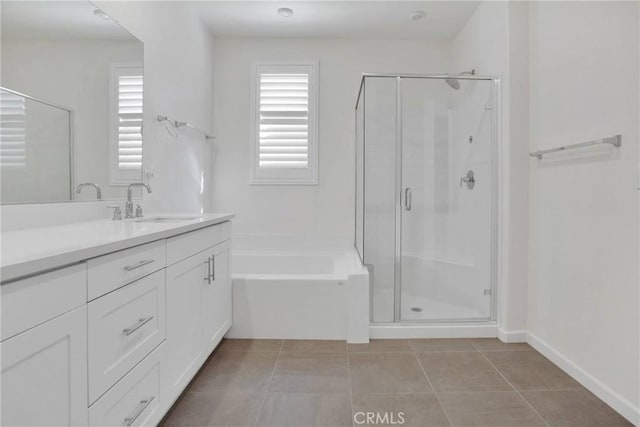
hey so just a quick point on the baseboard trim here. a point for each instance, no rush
(406, 331)
(512, 336)
(358, 341)
(611, 398)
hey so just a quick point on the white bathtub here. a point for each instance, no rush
(302, 294)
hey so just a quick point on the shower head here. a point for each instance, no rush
(454, 83)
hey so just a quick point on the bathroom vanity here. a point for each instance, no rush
(103, 322)
(106, 322)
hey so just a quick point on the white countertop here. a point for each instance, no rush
(29, 251)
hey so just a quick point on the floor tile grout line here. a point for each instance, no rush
(546, 390)
(466, 350)
(350, 388)
(433, 389)
(393, 393)
(515, 389)
(501, 349)
(266, 392)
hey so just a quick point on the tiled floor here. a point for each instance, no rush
(436, 382)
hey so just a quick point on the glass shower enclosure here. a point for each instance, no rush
(426, 196)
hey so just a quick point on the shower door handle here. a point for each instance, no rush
(468, 179)
(407, 199)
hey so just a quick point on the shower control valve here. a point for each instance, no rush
(468, 179)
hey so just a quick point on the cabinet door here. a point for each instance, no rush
(216, 297)
(44, 373)
(184, 321)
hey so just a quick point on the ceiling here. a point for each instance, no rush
(57, 20)
(336, 19)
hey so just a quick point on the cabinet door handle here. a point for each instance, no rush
(213, 267)
(140, 324)
(208, 276)
(139, 264)
(139, 410)
(407, 199)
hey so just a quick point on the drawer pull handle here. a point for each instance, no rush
(140, 324)
(139, 410)
(140, 264)
(208, 276)
(213, 268)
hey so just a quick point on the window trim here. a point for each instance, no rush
(283, 176)
(118, 177)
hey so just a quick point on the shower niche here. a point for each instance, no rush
(426, 196)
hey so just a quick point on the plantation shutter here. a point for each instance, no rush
(127, 83)
(130, 122)
(285, 120)
(12, 130)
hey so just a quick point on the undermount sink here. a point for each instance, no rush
(166, 219)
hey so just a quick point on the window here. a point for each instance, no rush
(12, 130)
(284, 124)
(126, 124)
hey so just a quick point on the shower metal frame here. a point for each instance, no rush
(495, 195)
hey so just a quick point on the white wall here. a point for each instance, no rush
(327, 208)
(74, 74)
(584, 290)
(178, 61)
(515, 176)
(492, 43)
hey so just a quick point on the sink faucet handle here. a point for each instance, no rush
(139, 211)
(117, 213)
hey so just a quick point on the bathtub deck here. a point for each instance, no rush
(433, 382)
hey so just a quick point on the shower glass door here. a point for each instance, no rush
(446, 199)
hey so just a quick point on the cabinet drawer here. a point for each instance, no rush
(124, 326)
(135, 400)
(32, 301)
(185, 245)
(115, 270)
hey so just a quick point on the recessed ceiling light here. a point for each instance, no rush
(418, 15)
(100, 14)
(285, 12)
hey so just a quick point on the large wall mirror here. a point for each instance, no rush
(71, 103)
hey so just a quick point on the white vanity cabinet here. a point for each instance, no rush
(114, 339)
(216, 297)
(198, 301)
(184, 311)
(44, 374)
(44, 349)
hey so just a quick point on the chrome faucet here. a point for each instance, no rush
(128, 207)
(90, 184)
